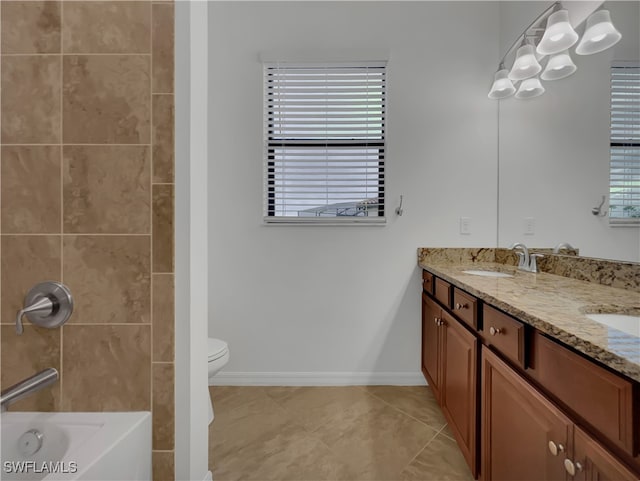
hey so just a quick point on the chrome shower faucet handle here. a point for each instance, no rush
(48, 304)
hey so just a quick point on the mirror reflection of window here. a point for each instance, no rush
(624, 178)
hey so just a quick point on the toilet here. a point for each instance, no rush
(218, 357)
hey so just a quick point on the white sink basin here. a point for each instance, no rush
(75, 446)
(487, 273)
(622, 322)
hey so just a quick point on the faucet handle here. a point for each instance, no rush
(42, 306)
(533, 264)
(48, 304)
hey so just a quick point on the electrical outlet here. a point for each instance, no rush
(529, 225)
(465, 225)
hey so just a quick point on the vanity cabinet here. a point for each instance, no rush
(523, 406)
(520, 428)
(525, 436)
(591, 462)
(431, 344)
(449, 363)
(593, 394)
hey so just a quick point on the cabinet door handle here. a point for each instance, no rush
(572, 467)
(437, 321)
(493, 331)
(555, 448)
(460, 306)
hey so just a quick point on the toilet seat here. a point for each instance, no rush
(216, 349)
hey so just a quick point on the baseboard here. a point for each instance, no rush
(319, 379)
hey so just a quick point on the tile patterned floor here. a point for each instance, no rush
(368, 433)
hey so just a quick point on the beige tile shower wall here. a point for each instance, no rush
(86, 198)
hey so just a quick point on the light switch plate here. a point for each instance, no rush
(529, 226)
(465, 225)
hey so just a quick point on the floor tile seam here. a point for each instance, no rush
(310, 431)
(314, 430)
(277, 401)
(441, 431)
(237, 405)
(306, 436)
(286, 414)
(406, 413)
(420, 451)
(340, 458)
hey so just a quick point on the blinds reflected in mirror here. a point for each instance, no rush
(324, 130)
(624, 179)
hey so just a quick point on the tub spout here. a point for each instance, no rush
(27, 386)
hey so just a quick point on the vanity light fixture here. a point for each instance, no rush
(559, 66)
(559, 34)
(526, 64)
(502, 86)
(530, 88)
(554, 40)
(599, 34)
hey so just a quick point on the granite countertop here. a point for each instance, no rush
(555, 305)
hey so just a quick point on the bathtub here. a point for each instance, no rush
(75, 446)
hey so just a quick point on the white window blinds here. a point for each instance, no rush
(624, 179)
(324, 130)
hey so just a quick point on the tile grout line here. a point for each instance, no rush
(61, 140)
(419, 452)
(151, 269)
(75, 54)
(445, 434)
(1, 163)
(44, 144)
(362, 388)
(71, 234)
(405, 413)
(309, 433)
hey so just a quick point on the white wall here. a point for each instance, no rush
(191, 396)
(339, 303)
(554, 149)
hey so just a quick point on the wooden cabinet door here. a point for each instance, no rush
(591, 462)
(517, 425)
(431, 344)
(459, 385)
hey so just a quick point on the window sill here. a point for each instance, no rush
(314, 221)
(634, 222)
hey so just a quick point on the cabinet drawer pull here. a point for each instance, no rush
(461, 306)
(572, 467)
(555, 448)
(493, 331)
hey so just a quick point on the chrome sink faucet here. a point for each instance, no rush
(27, 386)
(528, 262)
(562, 245)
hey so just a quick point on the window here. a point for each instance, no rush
(624, 178)
(324, 129)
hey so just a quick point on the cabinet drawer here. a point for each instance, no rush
(505, 334)
(443, 292)
(465, 306)
(427, 282)
(602, 399)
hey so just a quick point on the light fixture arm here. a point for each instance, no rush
(518, 41)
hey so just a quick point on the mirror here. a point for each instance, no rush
(554, 150)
